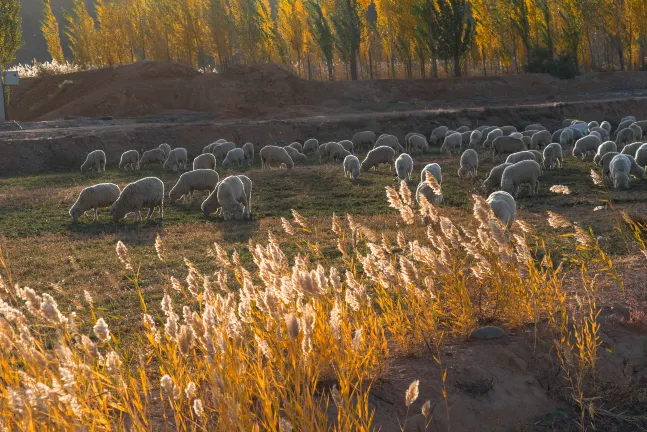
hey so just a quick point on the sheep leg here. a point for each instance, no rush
(95, 215)
(244, 198)
(161, 206)
(150, 212)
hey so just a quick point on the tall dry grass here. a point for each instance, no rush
(295, 344)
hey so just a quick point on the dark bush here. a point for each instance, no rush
(561, 66)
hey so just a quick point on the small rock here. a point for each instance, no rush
(488, 332)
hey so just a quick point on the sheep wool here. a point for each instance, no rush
(352, 167)
(493, 181)
(524, 172)
(521, 156)
(248, 148)
(236, 157)
(389, 141)
(418, 142)
(94, 197)
(129, 159)
(144, 193)
(452, 143)
(586, 145)
(631, 149)
(437, 136)
(295, 154)
(491, 136)
(469, 163)
(311, 145)
(377, 156)
(204, 161)
(508, 130)
(363, 139)
(504, 207)
(336, 151)
(220, 150)
(506, 145)
(230, 197)
(540, 139)
(155, 156)
(624, 137)
(347, 145)
(475, 138)
(297, 146)
(605, 161)
(566, 138)
(165, 148)
(177, 158)
(196, 180)
(641, 155)
(95, 159)
(606, 126)
(247, 184)
(404, 166)
(552, 156)
(273, 154)
(435, 171)
(425, 189)
(619, 168)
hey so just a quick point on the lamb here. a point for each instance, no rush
(452, 142)
(336, 151)
(475, 138)
(155, 156)
(220, 150)
(437, 135)
(351, 167)
(521, 156)
(377, 156)
(504, 207)
(362, 139)
(295, 154)
(129, 158)
(619, 168)
(176, 159)
(552, 156)
(389, 141)
(493, 181)
(404, 166)
(524, 172)
(230, 196)
(95, 159)
(236, 156)
(631, 149)
(492, 136)
(586, 145)
(469, 163)
(506, 144)
(566, 138)
(347, 145)
(247, 184)
(606, 126)
(144, 193)
(540, 139)
(605, 161)
(435, 171)
(205, 161)
(270, 154)
(94, 197)
(638, 131)
(165, 148)
(312, 145)
(248, 148)
(196, 180)
(604, 148)
(297, 146)
(641, 155)
(624, 137)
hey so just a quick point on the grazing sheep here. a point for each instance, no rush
(352, 167)
(508, 130)
(486, 132)
(597, 134)
(144, 193)
(521, 156)
(631, 149)
(377, 156)
(493, 181)
(220, 150)
(205, 161)
(295, 154)
(247, 184)
(606, 126)
(425, 189)
(586, 145)
(593, 124)
(270, 154)
(529, 133)
(552, 156)
(636, 170)
(230, 197)
(535, 127)
(347, 145)
(506, 145)
(165, 148)
(403, 166)
(638, 131)
(641, 155)
(624, 137)
(463, 129)
(643, 126)
(389, 141)
(312, 145)
(628, 118)
(95, 159)
(176, 159)
(580, 127)
(237, 156)
(94, 197)
(407, 143)
(297, 146)
(465, 139)
(418, 142)
(567, 122)
(363, 139)
(437, 136)
(469, 163)
(539, 156)
(209, 147)
(604, 134)
(130, 159)
(554, 138)
(336, 152)
(435, 171)
(624, 124)
(494, 134)
(524, 172)
(605, 161)
(248, 148)
(540, 139)
(452, 143)
(504, 207)
(527, 141)
(323, 151)
(566, 138)
(517, 135)
(196, 180)
(475, 138)
(619, 168)
(155, 156)
(604, 148)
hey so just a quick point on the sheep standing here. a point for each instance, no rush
(504, 207)
(311, 145)
(230, 196)
(540, 139)
(631, 149)
(196, 180)
(271, 154)
(604, 134)
(425, 189)
(586, 145)
(389, 141)
(643, 126)
(377, 156)
(295, 154)
(552, 156)
(404, 166)
(475, 138)
(641, 155)
(638, 132)
(95, 159)
(297, 146)
(248, 148)
(144, 193)
(352, 167)
(469, 163)
(165, 148)
(506, 145)
(416, 142)
(130, 159)
(155, 156)
(336, 152)
(522, 156)
(435, 171)
(619, 171)
(604, 148)
(624, 137)
(362, 139)
(636, 170)
(235, 156)
(205, 161)
(452, 143)
(347, 145)
(605, 161)
(524, 172)
(566, 138)
(94, 197)
(437, 135)
(606, 126)
(508, 130)
(176, 159)
(493, 181)
(220, 150)
(556, 135)
(492, 135)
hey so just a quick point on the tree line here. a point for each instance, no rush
(360, 39)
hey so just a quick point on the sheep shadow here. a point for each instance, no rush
(237, 231)
(140, 233)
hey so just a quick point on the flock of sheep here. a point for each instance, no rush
(527, 153)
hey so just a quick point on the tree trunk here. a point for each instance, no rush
(483, 58)
(457, 65)
(621, 54)
(309, 68)
(330, 73)
(370, 64)
(422, 66)
(434, 65)
(353, 67)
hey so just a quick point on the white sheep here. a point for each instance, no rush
(517, 135)
(377, 156)
(504, 207)
(297, 145)
(553, 156)
(506, 145)
(540, 139)
(437, 135)
(536, 127)
(205, 161)
(248, 148)
(271, 154)
(165, 148)
(493, 181)
(435, 171)
(619, 168)
(230, 197)
(586, 145)
(491, 136)
(220, 150)
(566, 138)
(462, 129)
(404, 166)
(521, 156)
(604, 148)
(295, 154)
(469, 163)
(624, 137)
(155, 156)
(631, 149)
(607, 126)
(336, 152)
(475, 138)
(389, 141)
(95, 159)
(347, 145)
(209, 147)
(196, 180)
(144, 193)
(556, 135)
(582, 127)
(94, 197)
(362, 139)
(176, 159)
(628, 118)
(508, 130)
(425, 189)
(312, 145)
(352, 167)
(593, 124)
(605, 161)
(524, 172)
(638, 131)
(452, 143)
(643, 126)
(129, 158)
(597, 134)
(604, 134)
(636, 170)
(465, 139)
(624, 124)
(234, 156)
(323, 151)
(641, 155)
(418, 142)
(247, 184)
